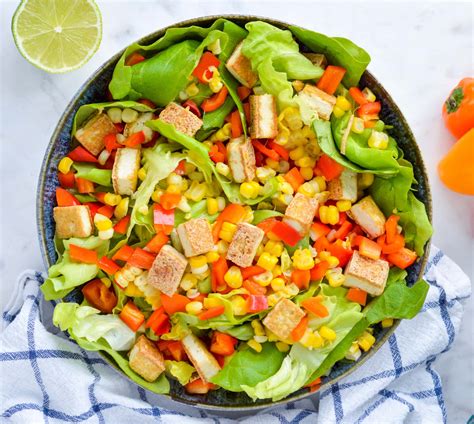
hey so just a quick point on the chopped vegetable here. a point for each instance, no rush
(132, 316)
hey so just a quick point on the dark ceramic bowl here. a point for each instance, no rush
(94, 90)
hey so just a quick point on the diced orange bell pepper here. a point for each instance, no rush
(170, 200)
(123, 254)
(67, 180)
(314, 305)
(211, 313)
(207, 60)
(236, 124)
(251, 271)
(141, 259)
(64, 198)
(269, 153)
(301, 278)
(135, 139)
(397, 244)
(329, 168)
(223, 344)
(391, 228)
(294, 177)
(157, 242)
(81, 254)
(232, 213)
(300, 329)
(132, 316)
(216, 101)
(403, 258)
(340, 252)
(79, 154)
(357, 295)
(175, 303)
(243, 92)
(254, 288)
(122, 226)
(199, 387)
(286, 233)
(318, 272)
(358, 96)
(219, 269)
(331, 78)
(108, 265)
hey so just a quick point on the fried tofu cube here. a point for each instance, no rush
(92, 134)
(125, 171)
(368, 215)
(183, 120)
(300, 212)
(318, 101)
(366, 274)
(241, 155)
(73, 221)
(240, 68)
(317, 59)
(167, 270)
(283, 318)
(203, 360)
(344, 187)
(244, 244)
(139, 125)
(146, 360)
(196, 237)
(263, 116)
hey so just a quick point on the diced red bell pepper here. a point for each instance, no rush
(403, 258)
(321, 244)
(216, 101)
(199, 387)
(84, 186)
(266, 151)
(223, 344)
(81, 254)
(108, 265)
(219, 268)
(318, 229)
(340, 252)
(163, 220)
(207, 60)
(342, 232)
(181, 168)
(256, 303)
(397, 244)
(79, 154)
(251, 271)
(286, 233)
(254, 288)
(301, 278)
(243, 92)
(123, 254)
(100, 296)
(192, 107)
(67, 180)
(64, 198)
(236, 124)
(211, 313)
(93, 207)
(156, 320)
(368, 109)
(134, 58)
(331, 78)
(246, 107)
(358, 96)
(106, 210)
(175, 303)
(329, 168)
(282, 152)
(122, 226)
(169, 201)
(232, 213)
(141, 259)
(294, 177)
(318, 272)
(110, 141)
(215, 155)
(267, 224)
(357, 295)
(132, 316)
(135, 139)
(157, 242)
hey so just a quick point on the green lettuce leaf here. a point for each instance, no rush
(262, 215)
(180, 370)
(338, 51)
(248, 368)
(241, 332)
(90, 172)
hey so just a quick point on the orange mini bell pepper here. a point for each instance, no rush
(458, 109)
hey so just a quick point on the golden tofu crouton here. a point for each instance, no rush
(139, 125)
(317, 59)
(203, 360)
(125, 171)
(182, 119)
(244, 244)
(146, 360)
(368, 215)
(366, 274)
(196, 237)
(344, 187)
(263, 116)
(300, 212)
(167, 270)
(241, 155)
(73, 221)
(318, 101)
(91, 135)
(240, 68)
(283, 318)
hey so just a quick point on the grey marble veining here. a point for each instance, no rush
(419, 52)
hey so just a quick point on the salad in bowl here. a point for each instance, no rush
(235, 214)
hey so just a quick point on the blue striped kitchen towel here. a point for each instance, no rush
(48, 378)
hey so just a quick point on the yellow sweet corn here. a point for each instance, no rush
(335, 277)
(329, 214)
(275, 248)
(65, 164)
(249, 190)
(104, 225)
(338, 112)
(121, 209)
(227, 231)
(233, 277)
(276, 271)
(358, 126)
(212, 256)
(188, 281)
(212, 206)
(306, 162)
(306, 173)
(321, 182)
(290, 290)
(106, 282)
(343, 205)
(332, 261)
(156, 196)
(278, 284)
(255, 345)
(212, 302)
(302, 259)
(112, 199)
(264, 173)
(192, 90)
(274, 164)
(378, 140)
(194, 308)
(297, 153)
(215, 84)
(267, 261)
(311, 339)
(173, 188)
(223, 169)
(239, 305)
(222, 247)
(327, 333)
(274, 298)
(354, 352)
(369, 95)
(307, 189)
(132, 290)
(196, 176)
(264, 279)
(282, 346)
(222, 134)
(197, 261)
(366, 341)
(365, 180)
(387, 322)
(141, 174)
(286, 188)
(258, 328)
(297, 85)
(196, 191)
(343, 103)
(248, 215)
(272, 337)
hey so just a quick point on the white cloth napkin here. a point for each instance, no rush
(48, 378)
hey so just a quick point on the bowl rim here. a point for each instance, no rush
(203, 20)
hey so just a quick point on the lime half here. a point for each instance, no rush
(57, 35)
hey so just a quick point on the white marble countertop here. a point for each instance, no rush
(419, 52)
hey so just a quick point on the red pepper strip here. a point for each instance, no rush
(67, 180)
(243, 92)
(285, 154)
(391, 228)
(82, 254)
(79, 154)
(321, 244)
(403, 258)
(331, 78)
(300, 329)
(163, 220)
(135, 139)
(134, 58)
(256, 303)
(64, 198)
(141, 259)
(267, 224)
(108, 265)
(294, 177)
(236, 124)
(156, 322)
(216, 101)
(219, 268)
(147, 102)
(100, 296)
(319, 271)
(372, 108)
(84, 186)
(358, 96)
(246, 107)
(211, 313)
(123, 254)
(93, 207)
(267, 152)
(223, 344)
(344, 255)
(181, 168)
(314, 305)
(175, 303)
(329, 168)
(110, 141)
(106, 210)
(132, 316)
(395, 246)
(207, 60)
(215, 155)
(122, 226)
(343, 230)
(301, 278)
(318, 229)
(251, 271)
(199, 387)
(157, 242)
(192, 107)
(286, 233)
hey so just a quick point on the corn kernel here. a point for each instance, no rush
(255, 345)
(212, 256)
(222, 247)
(274, 298)
(306, 162)
(335, 277)
(302, 259)
(115, 114)
(366, 341)
(106, 234)
(378, 140)
(249, 190)
(194, 308)
(121, 209)
(156, 196)
(321, 182)
(306, 173)
(141, 174)
(233, 277)
(290, 290)
(106, 282)
(112, 199)
(365, 180)
(227, 231)
(192, 90)
(197, 261)
(329, 214)
(258, 328)
(173, 188)
(282, 346)
(132, 290)
(196, 192)
(327, 333)
(297, 85)
(264, 173)
(104, 225)
(264, 279)
(278, 284)
(311, 339)
(129, 115)
(188, 281)
(343, 103)
(267, 261)
(286, 188)
(369, 95)
(307, 189)
(387, 322)
(239, 305)
(212, 207)
(354, 352)
(212, 302)
(332, 261)
(297, 153)
(275, 248)
(223, 169)
(338, 112)
(358, 126)
(343, 205)
(260, 339)
(273, 164)
(65, 164)
(272, 337)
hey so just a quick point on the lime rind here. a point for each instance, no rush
(66, 43)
